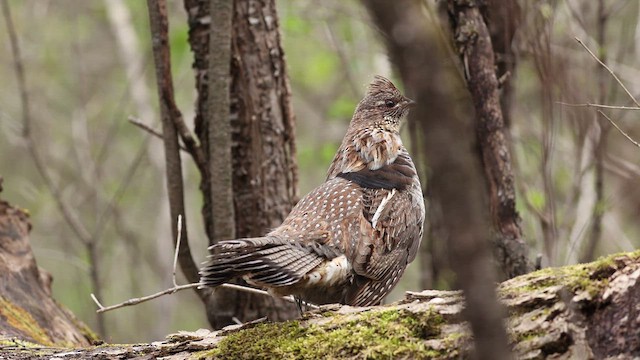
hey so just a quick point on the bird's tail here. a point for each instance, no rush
(268, 261)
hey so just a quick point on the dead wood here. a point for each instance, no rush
(587, 311)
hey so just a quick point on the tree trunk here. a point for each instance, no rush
(27, 311)
(262, 130)
(588, 311)
(474, 46)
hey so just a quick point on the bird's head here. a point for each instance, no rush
(382, 106)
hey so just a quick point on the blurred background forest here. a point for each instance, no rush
(89, 69)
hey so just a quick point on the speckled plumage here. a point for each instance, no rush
(350, 239)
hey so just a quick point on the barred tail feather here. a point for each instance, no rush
(267, 261)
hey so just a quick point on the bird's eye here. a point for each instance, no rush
(390, 103)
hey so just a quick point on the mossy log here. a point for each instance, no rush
(27, 310)
(588, 311)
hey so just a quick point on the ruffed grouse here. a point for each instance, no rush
(350, 239)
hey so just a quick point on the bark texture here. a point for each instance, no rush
(503, 17)
(588, 311)
(27, 311)
(473, 43)
(219, 126)
(262, 133)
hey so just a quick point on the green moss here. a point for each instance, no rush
(10, 343)
(529, 335)
(370, 335)
(86, 331)
(22, 321)
(453, 343)
(591, 277)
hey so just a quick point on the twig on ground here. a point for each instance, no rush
(135, 301)
(176, 287)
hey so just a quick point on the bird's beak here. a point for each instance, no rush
(408, 103)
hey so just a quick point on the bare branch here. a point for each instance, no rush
(150, 130)
(175, 256)
(617, 107)
(159, 25)
(610, 72)
(620, 130)
(145, 127)
(176, 287)
(135, 301)
(95, 300)
(171, 117)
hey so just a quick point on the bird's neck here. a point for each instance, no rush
(371, 148)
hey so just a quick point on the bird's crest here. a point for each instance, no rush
(380, 84)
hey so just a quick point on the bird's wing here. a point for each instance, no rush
(367, 292)
(269, 261)
(390, 233)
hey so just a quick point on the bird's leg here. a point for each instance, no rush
(299, 304)
(304, 306)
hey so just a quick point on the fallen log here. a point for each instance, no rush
(27, 310)
(586, 311)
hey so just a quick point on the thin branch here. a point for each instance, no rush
(176, 287)
(620, 130)
(617, 107)
(175, 256)
(159, 26)
(191, 145)
(95, 300)
(150, 130)
(610, 72)
(135, 301)
(145, 127)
